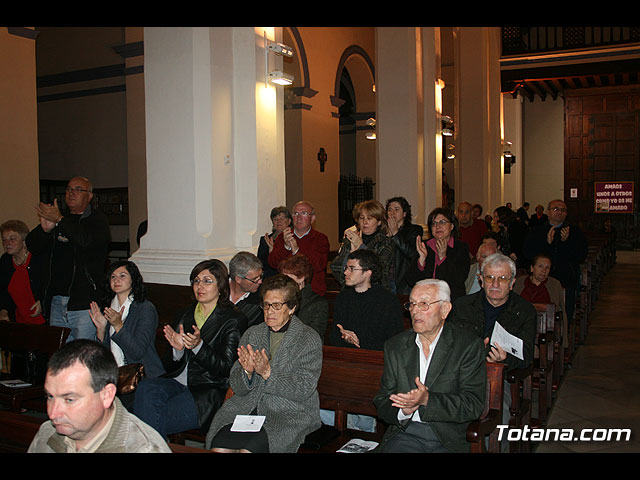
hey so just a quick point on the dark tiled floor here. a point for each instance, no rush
(602, 389)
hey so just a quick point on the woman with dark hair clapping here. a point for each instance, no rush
(204, 341)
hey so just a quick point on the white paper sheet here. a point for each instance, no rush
(509, 343)
(247, 423)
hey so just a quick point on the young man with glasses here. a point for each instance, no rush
(365, 314)
(75, 243)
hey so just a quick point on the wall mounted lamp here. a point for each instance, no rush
(371, 123)
(451, 151)
(447, 126)
(280, 49)
(278, 77)
(509, 158)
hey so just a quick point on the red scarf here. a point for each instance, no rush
(535, 293)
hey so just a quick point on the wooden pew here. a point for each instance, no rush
(519, 380)
(25, 338)
(17, 431)
(491, 417)
(349, 381)
(543, 363)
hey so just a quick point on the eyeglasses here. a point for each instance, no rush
(558, 209)
(502, 279)
(423, 306)
(75, 189)
(351, 268)
(302, 214)
(204, 281)
(442, 223)
(255, 280)
(277, 306)
(11, 239)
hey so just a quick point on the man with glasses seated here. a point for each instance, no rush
(305, 239)
(495, 304)
(74, 242)
(245, 278)
(566, 246)
(434, 378)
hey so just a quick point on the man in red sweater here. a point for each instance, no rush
(471, 230)
(306, 240)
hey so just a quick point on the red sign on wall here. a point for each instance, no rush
(613, 197)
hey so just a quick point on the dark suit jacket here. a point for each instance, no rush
(456, 380)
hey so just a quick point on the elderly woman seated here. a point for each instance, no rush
(539, 287)
(274, 379)
(313, 309)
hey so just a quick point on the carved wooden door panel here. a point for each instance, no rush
(602, 144)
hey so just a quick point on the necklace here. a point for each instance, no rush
(26, 253)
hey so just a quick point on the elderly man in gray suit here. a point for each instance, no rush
(434, 378)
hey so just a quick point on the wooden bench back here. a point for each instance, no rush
(21, 337)
(350, 379)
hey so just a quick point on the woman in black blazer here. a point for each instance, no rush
(443, 256)
(204, 341)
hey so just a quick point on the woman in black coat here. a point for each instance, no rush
(204, 341)
(443, 256)
(403, 234)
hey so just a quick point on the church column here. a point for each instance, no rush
(478, 173)
(408, 113)
(215, 154)
(19, 186)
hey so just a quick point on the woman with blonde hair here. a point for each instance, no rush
(369, 232)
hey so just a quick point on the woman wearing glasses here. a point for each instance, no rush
(444, 256)
(204, 341)
(275, 379)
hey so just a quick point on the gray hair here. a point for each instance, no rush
(242, 263)
(497, 260)
(444, 291)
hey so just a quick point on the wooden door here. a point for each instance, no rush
(602, 144)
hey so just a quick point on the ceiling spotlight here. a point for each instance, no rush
(280, 49)
(281, 78)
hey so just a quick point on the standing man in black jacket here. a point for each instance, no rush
(565, 244)
(75, 245)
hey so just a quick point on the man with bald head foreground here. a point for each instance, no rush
(434, 378)
(74, 242)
